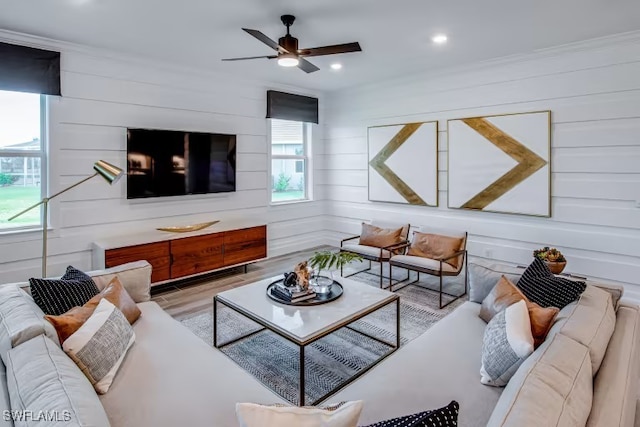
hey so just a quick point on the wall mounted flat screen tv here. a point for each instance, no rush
(164, 163)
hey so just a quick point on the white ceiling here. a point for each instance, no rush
(394, 35)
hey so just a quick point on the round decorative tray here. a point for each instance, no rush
(336, 292)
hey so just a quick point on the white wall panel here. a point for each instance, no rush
(103, 95)
(594, 95)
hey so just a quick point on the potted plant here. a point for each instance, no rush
(325, 262)
(552, 257)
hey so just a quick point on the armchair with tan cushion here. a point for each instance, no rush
(438, 255)
(377, 243)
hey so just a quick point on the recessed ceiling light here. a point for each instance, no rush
(439, 39)
(336, 66)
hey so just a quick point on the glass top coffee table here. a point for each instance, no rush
(305, 325)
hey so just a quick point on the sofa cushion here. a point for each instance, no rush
(134, 276)
(590, 321)
(541, 286)
(344, 414)
(40, 377)
(167, 365)
(442, 417)
(506, 293)
(5, 403)
(552, 388)
(615, 385)
(56, 297)
(100, 344)
(439, 366)
(379, 237)
(20, 319)
(483, 278)
(507, 343)
(429, 264)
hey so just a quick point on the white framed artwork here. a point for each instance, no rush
(403, 163)
(500, 163)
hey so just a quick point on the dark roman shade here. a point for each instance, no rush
(26, 69)
(287, 106)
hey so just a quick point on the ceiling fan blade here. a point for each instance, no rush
(331, 50)
(306, 66)
(266, 40)
(251, 57)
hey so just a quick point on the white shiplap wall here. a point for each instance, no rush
(593, 90)
(103, 94)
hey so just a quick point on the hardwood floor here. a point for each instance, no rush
(195, 298)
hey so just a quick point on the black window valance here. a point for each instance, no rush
(287, 106)
(26, 69)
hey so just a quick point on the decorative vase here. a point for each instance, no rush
(322, 284)
(556, 267)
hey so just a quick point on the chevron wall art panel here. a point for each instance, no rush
(501, 163)
(403, 163)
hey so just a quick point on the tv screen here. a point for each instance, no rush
(174, 163)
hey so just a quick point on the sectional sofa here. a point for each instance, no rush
(170, 377)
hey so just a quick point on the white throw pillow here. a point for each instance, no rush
(101, 343)
(343, 414)
(508, 341)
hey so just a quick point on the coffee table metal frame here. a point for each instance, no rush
(303, 343)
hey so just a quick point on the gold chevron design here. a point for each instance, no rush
(378, 163)
(528, 163)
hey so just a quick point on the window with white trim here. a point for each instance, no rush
(22, 158)
(290, 146)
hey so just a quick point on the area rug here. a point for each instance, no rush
(330, 361)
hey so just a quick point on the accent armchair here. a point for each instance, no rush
(376, 244)
(437, 255)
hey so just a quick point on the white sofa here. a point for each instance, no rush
(170, 377)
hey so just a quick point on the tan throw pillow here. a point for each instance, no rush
(98, 347)
(435, 246)
(118, 296)
(69, 322)
(379, 237)
(505, 294)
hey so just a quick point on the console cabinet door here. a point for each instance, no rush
(193, 255)
(156, 254)
(245, 245)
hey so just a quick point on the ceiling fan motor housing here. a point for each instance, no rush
(289, 42)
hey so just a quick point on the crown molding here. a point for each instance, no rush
(590, 45)
(38, 42)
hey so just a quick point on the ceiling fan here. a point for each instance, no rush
(287, 47)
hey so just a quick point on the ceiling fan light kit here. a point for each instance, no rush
(288, 60)
(287, 47)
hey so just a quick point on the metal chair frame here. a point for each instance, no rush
(431, 272)
(379, 259)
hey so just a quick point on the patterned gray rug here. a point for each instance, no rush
(330, 361)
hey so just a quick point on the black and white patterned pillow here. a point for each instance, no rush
(443, 417)
(56, 297)
(73, 273)
(541, 286)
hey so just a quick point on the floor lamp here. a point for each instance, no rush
(106, 170)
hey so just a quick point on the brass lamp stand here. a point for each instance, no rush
(106, 170)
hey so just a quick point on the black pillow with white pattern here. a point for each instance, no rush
(541, 286)
(56, 297)
(443, 417)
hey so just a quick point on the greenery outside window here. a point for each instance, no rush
(290, 143)
(22, 158)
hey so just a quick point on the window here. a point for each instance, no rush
(22, 158)
(289, 160)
